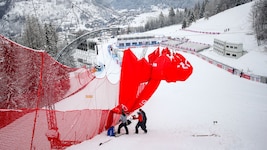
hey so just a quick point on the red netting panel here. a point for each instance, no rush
(19, 73)
(17, 135)
(73, 127)
(7, 116)
(100, 93)
(78, 80)
(26, 74)
(31, 78)
(81, 125)
(104, 94)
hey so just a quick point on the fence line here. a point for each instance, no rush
(234, 71)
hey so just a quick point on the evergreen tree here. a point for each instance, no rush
(179, 16)
(211, 8)
(259, 13)
(197, 10)
(161, 20)
(171, 16)
(33, 34)
(202, 10)
(191, 18)
(184, 25)
(51, 40)
(8, 69)
(29, 78)
(19, 74)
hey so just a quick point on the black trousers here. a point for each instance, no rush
(125, 127)
(142, 125)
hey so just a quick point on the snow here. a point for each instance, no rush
(140, 20)
(238, 21)
(213, 109)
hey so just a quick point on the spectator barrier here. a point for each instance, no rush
(252, 77)
(203, 32)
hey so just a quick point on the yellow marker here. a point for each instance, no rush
(88, 96)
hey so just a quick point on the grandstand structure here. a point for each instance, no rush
(138, 40)
(86, 53)
(66, 55)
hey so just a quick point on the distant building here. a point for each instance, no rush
(232, 50)
(185, 44)
(86, 53)
(137, 40)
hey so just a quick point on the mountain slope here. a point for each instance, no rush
(237, 20)
(128, 4)
(213, 109)
(76, 14)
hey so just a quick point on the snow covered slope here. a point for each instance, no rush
(237, 20)
(177, 111)
(213, 109)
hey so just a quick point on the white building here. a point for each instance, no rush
(85, 54)
(137, 40)
(233, 50)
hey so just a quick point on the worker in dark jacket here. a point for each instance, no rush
(140, 122)
(144, 116)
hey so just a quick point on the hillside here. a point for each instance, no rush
(213, 109)
(238, 21)
(75, 15)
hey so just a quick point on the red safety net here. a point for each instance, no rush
(73, 127)
(32, 83)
